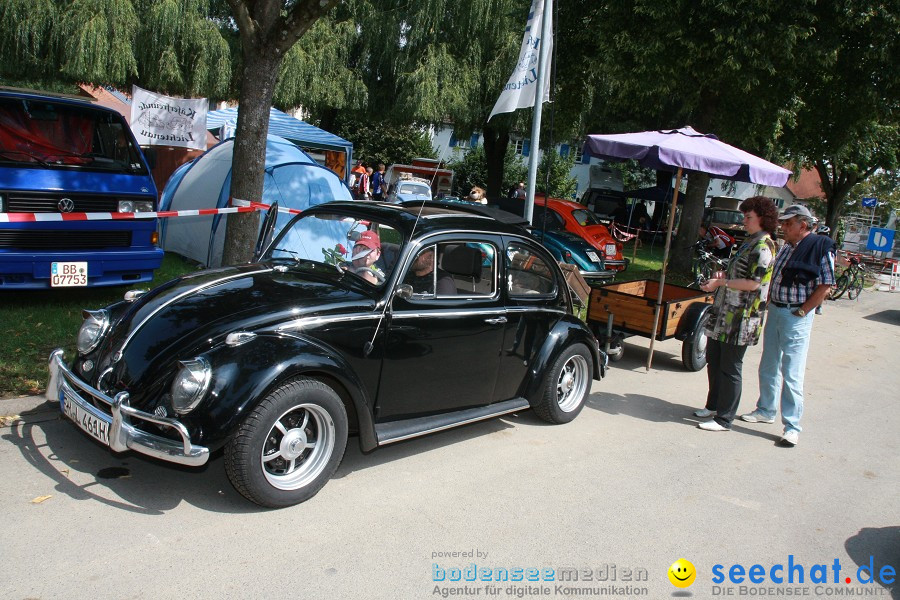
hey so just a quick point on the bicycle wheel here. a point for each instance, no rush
(840, 286)
(856, 286)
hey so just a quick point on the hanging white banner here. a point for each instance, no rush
(519, 90)
(158, 120)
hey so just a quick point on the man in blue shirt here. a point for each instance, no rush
(802, 277)
(379, 184)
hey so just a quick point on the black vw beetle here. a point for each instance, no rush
(379, 320)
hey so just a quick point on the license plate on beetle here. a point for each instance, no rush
(68, 274)
(93, 426)
(593, 256)
(610, 250)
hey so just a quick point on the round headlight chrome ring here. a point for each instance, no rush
(94, 327)
(190, 384)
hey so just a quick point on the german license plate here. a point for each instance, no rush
(593, 256)
(68, 274)
(94, 426)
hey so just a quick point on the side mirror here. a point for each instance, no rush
(404, 290)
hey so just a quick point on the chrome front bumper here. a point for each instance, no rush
(122, 434)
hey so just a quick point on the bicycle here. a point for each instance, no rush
(851, 280)
(705, 264)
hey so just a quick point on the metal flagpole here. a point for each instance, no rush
(538, 106)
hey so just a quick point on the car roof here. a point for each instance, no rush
(429, 216)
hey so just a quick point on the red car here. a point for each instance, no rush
(575, 218)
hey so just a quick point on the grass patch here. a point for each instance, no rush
(34, 322)
(647, 264)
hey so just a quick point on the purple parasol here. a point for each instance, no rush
(685, 148)
(682, 150)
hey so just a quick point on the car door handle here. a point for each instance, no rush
(496, 321)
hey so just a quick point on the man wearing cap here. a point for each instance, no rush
(802, 276)
(366, 251)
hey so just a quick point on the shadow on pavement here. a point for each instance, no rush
(649, 408)
(873, 548)
(891, 317)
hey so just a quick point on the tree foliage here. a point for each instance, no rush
(375, 143)
(471, 169)
(847, 122)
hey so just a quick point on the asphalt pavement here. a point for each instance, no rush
(601, 507)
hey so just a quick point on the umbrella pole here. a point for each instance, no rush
(662, 276)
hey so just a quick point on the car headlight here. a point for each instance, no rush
(96, 322)
(135, 206)
(190, 385)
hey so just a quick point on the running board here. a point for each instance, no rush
(395, 431)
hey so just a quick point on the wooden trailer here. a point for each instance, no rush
(618, 310)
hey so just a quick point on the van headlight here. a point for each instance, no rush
(135, 206)
(96, 323)
(190, 385)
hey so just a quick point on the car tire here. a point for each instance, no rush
(567, 385)
(693, 350)
(289, 446)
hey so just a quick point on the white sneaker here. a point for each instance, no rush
(703, 413)
(790, 437)
(712, 426)
(757, 417)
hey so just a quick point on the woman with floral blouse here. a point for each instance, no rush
(736, 317)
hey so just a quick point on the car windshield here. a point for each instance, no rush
(365, 248)
(585, 218)
(414, 188)
(727, 217)
(62, 136)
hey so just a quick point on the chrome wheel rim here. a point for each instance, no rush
(572, 383)
(298, 447)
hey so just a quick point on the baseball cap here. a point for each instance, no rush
(368, 241)
(797, 210)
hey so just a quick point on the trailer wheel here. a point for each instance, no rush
(616, 350)
(693, 350)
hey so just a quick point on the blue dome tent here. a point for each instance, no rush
(291, 178)
(224, 122)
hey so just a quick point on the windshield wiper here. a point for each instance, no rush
(36, 158)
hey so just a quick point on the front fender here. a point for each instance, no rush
(690, 320)
(568, 330)
(243, 375)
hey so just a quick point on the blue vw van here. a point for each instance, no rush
(61, 155)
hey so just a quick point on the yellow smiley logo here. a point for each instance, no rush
(682, 573)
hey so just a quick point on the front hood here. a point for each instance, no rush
(189, 315)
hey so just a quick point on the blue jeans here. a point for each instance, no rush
(783, 363)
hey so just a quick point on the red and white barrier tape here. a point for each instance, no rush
(237, 206)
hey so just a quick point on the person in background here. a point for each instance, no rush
(520, 193)
(803, 276)
(379, 185)
(357, 170)
(717, 240)
(364, 185)
(736, 318)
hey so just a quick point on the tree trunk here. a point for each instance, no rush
(248, 163)
(836, 186)
(689, 225)
(495, 145)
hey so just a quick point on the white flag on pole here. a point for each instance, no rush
(519, 90)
